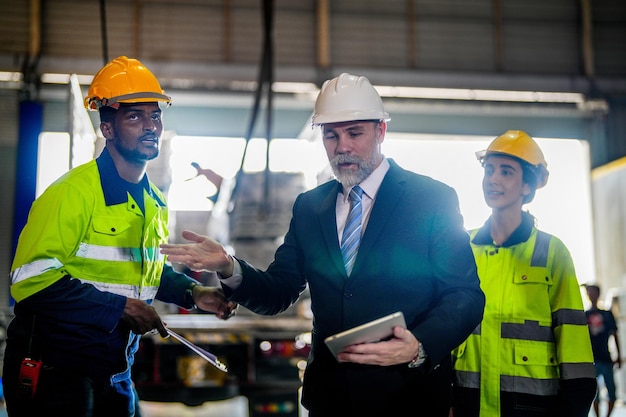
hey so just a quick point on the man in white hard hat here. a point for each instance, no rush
(407, 251)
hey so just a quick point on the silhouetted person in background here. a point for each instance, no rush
(603, 327)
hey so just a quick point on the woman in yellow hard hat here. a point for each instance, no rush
(531, 355)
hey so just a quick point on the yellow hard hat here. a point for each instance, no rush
(519, 144)
(124, 80)
(346, 98)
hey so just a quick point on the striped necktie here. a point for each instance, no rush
(352, 232)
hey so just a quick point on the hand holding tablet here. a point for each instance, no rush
(373, 331)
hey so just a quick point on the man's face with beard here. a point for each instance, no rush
(353, 148)
(136, 131)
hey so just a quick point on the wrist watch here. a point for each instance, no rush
(189, 295)
(419, 359)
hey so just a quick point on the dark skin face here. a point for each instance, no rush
(133, 138)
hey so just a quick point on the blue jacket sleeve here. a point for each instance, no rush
(174, 286)
(70, 300)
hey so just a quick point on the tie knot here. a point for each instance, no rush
(356, 193)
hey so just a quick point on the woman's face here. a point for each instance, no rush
(503, 182)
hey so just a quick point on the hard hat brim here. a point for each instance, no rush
(144, 97)
(321, 119)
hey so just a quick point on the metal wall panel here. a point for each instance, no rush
(538, 36)
(362, 42)
(609, 37)
(7, 182)
(541, 11)
(454, 10)
(71, 29)
(530, 48)
(182, 32)
(8, 117)
(294, 33)
(541, 37)
(247, 35)
(455, 34)
(466, 47)
(368, 34)
(14, 26)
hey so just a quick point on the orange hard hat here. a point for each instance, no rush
(124, 80)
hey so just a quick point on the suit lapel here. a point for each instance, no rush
(388, 197)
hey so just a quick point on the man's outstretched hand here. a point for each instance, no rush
(203, 254)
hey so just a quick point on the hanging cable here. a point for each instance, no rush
(103, 31)
(264, 84)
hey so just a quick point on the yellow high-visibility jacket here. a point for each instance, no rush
(534, 331)
(88, 245)
(73, 230)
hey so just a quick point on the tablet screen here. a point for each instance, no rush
(372, 331)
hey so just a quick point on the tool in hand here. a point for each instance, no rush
(210, 357)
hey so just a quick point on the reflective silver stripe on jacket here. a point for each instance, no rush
(529, 330)
(577, 370)
(112, 253)
(34, 268)
(126, 290)
(511, 383)
(529, 385)
(569, 316)
(540, 253)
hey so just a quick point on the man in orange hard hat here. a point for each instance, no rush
(87, 266)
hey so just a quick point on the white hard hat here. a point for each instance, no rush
(346, 98)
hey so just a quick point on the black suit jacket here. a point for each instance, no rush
(414, 257)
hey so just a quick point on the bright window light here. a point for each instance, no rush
(53, 158)
(565, 201)
(562, 208)
(223, 156)
(484, 95)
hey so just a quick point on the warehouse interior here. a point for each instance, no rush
(245, 73)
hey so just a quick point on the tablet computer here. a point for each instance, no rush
(373, 331)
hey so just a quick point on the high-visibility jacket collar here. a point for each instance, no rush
(115, 187)
(521, 234)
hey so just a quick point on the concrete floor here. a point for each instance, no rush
(233, 407)
(618, 411)
(238, 407)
